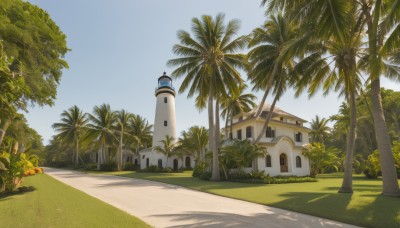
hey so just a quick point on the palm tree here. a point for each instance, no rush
(122, 118)
(168, 147)
(235, 104)
(321, 158)
(208, 61)
(195, 140)
(242, 152)
(140, 132)
(101, 129)
(319, 130)
(70, 129)
(271, 60)
(382, 20)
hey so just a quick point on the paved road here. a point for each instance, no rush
(164, 205)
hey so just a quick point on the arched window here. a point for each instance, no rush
(299, 137)
(298, 162)
(159, 163)
(268, 161)
(187, 162)
(165, 100)
(248, 132)
(147, 162)
(136, 161)
(165, 123)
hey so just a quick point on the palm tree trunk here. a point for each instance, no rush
(211, 137)
(264, 98)
(347, 184)
(226, 126)
(389, 176)
(231, 127)
(77, 152)
(271, 110)
(120, 150)
(3, 128)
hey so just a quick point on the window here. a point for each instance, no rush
(298, 162)
(270, 133)
(147, 162)
(159, 163)
(250, 164)
(187, 162)
(165, 123)
(281, 119)
(248, 132)
(268, 161)
(239, 134)
(165, 100)
(298, 137)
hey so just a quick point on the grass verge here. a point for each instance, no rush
(54, 204)
(365, 207)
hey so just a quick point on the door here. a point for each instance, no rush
(175, 164)
(283, 163)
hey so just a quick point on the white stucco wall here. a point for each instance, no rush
(285, 132)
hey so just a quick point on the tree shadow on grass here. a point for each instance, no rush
(270, 218)
(347, 208)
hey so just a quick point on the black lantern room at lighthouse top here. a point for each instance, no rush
(165, 85)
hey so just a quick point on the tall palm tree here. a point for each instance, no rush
(140, 132)
(208, 62)
(122, 118)
(101, 128)
(271, 60)
(235, 104)
(71, 127)
(319, 130)
(334, 65)
(168, 147)
(382, 20)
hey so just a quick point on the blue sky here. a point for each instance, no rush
(119, 49)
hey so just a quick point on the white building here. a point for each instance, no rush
(283, 139)
(164, 124)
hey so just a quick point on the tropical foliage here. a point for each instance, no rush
(321, 158)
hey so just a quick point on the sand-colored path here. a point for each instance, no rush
(163, 205)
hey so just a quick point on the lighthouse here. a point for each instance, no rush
(164, 124)
(165, 119)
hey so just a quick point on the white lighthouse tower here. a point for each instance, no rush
(165, 119)
(164, 124)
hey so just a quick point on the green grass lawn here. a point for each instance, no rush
(365, 207)
(54, 204)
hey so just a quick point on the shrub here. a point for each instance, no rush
(26, 189)
(90, 166)
(131, 167)
(38, 170)
(108, 167)
(166, 170)
(205, 176)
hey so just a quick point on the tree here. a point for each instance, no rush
(122, 118)
(271, 60)
(241, 153)
(195, 139)
(168, 147)
(33, 48)
(321, 158)
(319, 130)
(235, 104)
(208, 61)
(71, 127)
(383, 35)
(140, 132)
(101, 128)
